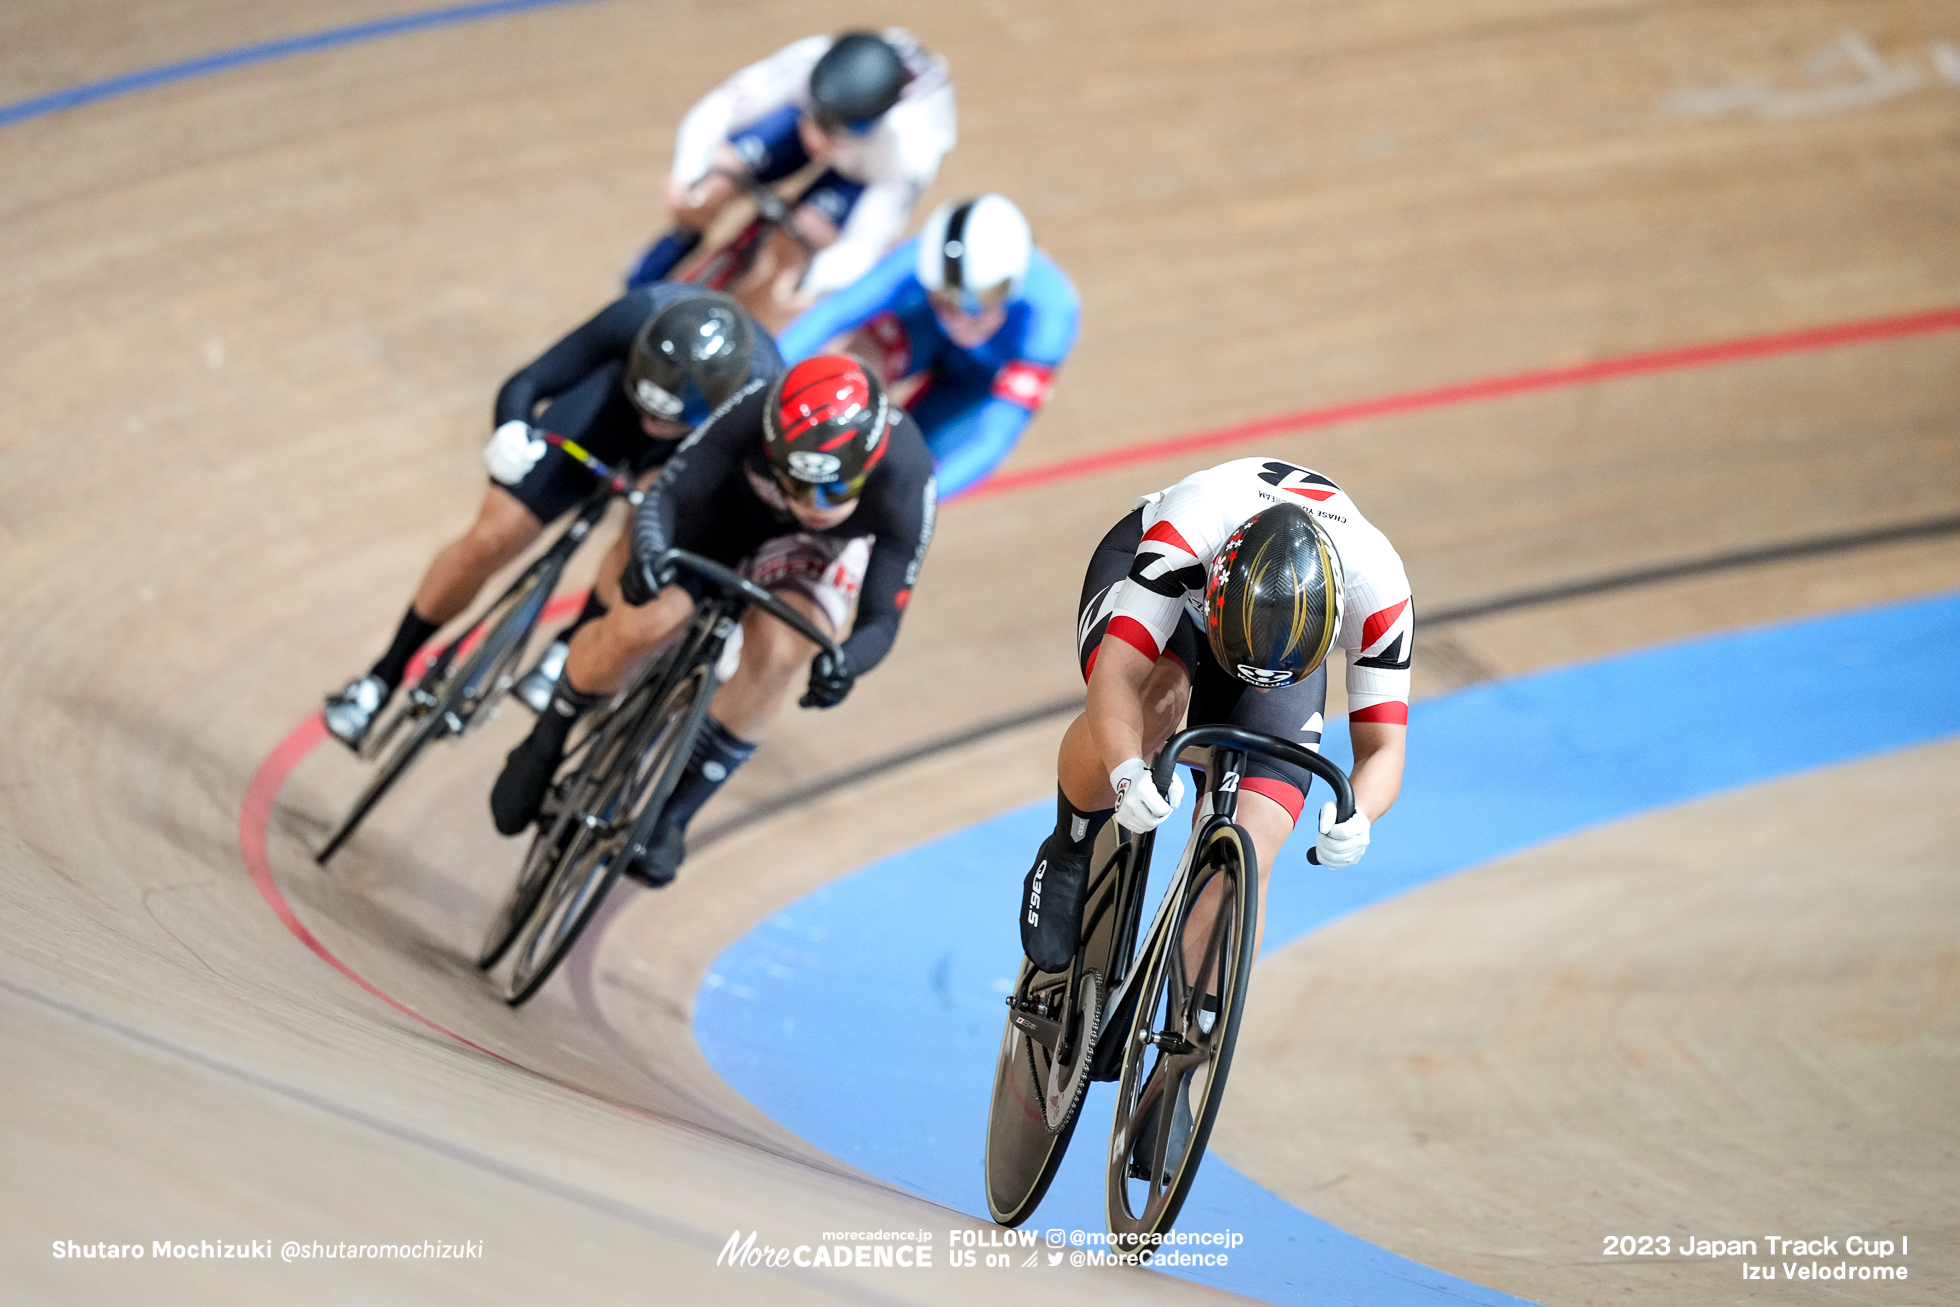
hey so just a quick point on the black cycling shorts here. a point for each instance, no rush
(596, 415)
(1292, 712)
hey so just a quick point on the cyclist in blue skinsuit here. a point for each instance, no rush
(977, 312)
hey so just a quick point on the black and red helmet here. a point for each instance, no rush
(824, 429)
(1274, 598)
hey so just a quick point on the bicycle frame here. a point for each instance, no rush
(1230, 747)
(721, 267)
(715, 621)
(561, 899)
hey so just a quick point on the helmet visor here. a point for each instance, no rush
(830, 126)
(970, 303)
(814, 494)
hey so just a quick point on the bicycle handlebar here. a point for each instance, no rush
(618, 480)
(1255, 742)
(729, 579)
(771, 207)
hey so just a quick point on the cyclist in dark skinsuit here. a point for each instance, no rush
(626, 386)
(823, 491)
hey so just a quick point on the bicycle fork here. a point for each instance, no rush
(721, 652)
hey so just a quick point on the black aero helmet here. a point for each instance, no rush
(856, 81)
(1273, 598)
(689, 357)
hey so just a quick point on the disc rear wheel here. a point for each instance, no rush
(1048, 1050)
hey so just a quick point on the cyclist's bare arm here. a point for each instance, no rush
(1111, 728)
(1379, 748)
(696, 203)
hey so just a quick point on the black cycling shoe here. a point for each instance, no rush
(1051, 905)
(520, 789)
(662, 860)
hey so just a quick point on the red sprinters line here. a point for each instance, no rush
(1466, 392)
(254, 823)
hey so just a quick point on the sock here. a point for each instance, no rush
(716, 756)
(1075, 826)
(547, 738)
(413, 633)
(659, 260)
(594, 609)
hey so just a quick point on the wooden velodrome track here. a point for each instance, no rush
(254, 321)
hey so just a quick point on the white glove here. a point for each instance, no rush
(514, 449)
(1342, 844)
(1138, 805)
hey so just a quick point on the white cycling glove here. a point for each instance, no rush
(514, 449)
(1341, 844)
(1138, 805)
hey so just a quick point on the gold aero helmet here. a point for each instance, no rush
(1273, 598)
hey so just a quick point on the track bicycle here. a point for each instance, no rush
(1159, 1018)
(729, 262)
(460, 687)
(606, 803)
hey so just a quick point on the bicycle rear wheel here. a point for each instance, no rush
(1038, 1087)
(634, 786)
(458, 694)
(1178, 1051)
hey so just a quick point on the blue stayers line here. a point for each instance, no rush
(866, 1016)
(164, 74)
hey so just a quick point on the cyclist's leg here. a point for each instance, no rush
(1053, 891)
(694, 209)
(503, 528)
(1271, 793)
(601, 659)
(500, 532)
(536, 685)
(511, 517)
(818, 578)
(595, 666)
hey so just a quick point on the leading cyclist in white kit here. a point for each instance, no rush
(1223, 595)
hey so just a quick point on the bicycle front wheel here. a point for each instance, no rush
(583, 792)
(1179, 1045)
(634, 786)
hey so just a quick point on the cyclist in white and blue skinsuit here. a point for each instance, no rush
(876, 108)
(977, 312)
